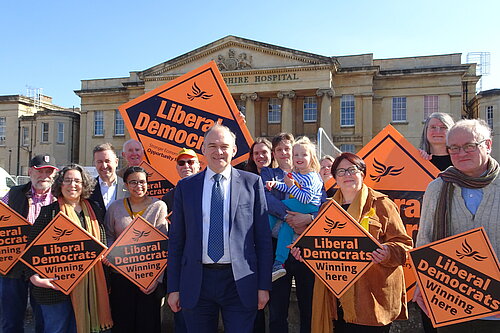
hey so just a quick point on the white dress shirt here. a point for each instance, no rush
(108, 192)
(208, 183)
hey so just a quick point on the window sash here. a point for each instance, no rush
(347, 110)
(399, 109)
(274, 111)
(60, 132)
(431, 105)
(310, 110)
(119, 124)
(45, 133)
(98, 123)
(3, 130)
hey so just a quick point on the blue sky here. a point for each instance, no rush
(54, 44)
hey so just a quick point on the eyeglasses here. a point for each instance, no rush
(136, 183)
(68, 181)
(438, 128)
(468, 148)
(183, 162)
(350, 171)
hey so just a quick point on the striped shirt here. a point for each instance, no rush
(309, 189)
(36, 202)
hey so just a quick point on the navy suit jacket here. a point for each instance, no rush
(249, 239)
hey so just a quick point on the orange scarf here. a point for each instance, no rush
(90, 296)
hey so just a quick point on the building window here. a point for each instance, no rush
(3, 128)
(241, 105)
(119, 124)
(45, 133)
(25, 135)
(60, 132)
(399, 109)
(431, 105)
(347, 110)
(348, 148)
(274, 114)
(489, 116)
(98, 123)
(310, 109)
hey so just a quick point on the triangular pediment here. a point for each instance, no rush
(233, 54)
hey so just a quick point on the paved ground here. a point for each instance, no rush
(413, 325)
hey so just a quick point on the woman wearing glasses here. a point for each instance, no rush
(378, 297)
(86, 309)
(135, 309)
(433, 141)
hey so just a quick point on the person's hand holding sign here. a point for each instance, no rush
(380, 255)
(43, 282)
(151, 288)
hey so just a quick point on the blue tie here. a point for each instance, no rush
(215, 233)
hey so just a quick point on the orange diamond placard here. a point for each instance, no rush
(140, 253)
(394, 167)
(337, 248)
(459, 277)
(63, 250)
(14, 229)
(158, 185)
(177, 114)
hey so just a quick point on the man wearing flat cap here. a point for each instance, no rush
(27, 200)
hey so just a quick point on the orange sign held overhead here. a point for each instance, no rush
(140, 253)
(13, 237)
(158, 185)
(394, 167)
(459, 277)
(64, 251)
(177, 115)
(337, 248)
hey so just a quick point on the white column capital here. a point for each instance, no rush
(328, 92)
(250, 96)
(286, 94)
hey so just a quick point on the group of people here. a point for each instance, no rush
(231, 231)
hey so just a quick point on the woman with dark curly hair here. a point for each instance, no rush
(135, 309)
(86, 309)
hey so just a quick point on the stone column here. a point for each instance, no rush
(326, 110)
(366, 130)
(249, 100)
(84, 134)
(286, 110)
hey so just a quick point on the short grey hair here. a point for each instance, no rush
(478, 127)
(129, 142)
(218, 126)
(447, 121)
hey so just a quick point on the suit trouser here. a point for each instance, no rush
(219, 294)
(280, 297)
(13, 302)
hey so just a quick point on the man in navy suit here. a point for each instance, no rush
(219, 263)
(109, 186)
